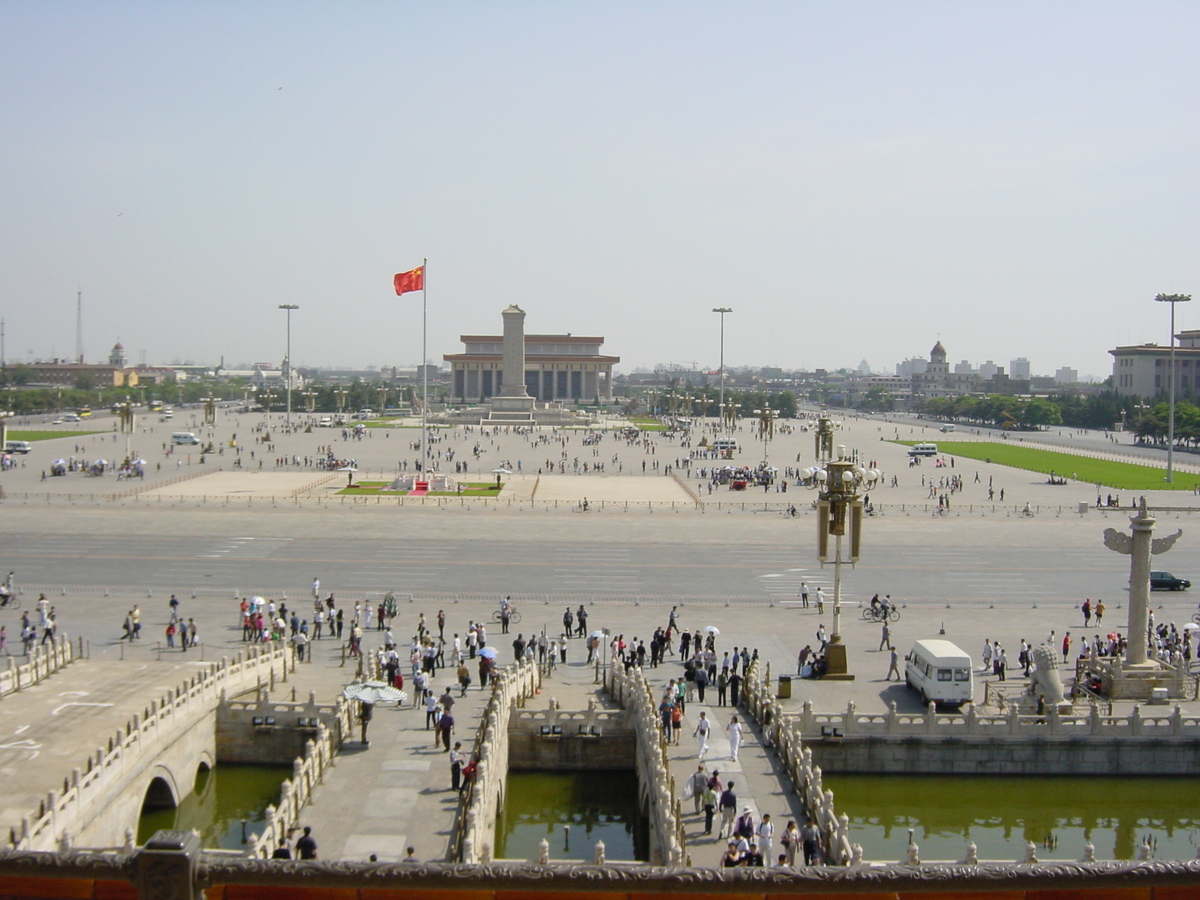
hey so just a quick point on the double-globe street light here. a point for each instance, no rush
(839, 515)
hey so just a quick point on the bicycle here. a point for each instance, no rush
(514, 617)
(12, 601)
(878, 613)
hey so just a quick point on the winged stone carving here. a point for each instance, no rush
(1119, 541)
(1163, 544)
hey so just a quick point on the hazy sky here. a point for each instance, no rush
(857, 180)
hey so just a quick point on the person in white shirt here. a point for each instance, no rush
(735, 737)
(766, 832)
(701, 734)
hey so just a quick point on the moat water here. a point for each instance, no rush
(598, 806)
(1059, 815)
(224, 798)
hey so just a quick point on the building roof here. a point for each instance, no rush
(533, 338)
(938, 350)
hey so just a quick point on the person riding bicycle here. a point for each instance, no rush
(875, 604)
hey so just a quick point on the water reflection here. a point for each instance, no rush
(223, 797)
(1000, 814)
(595, 805)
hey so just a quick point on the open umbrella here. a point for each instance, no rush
(60, 462)
(712, 629)
(599, 634)
(1191, 626)
(487, 652)
(374, 692)
(139, 462)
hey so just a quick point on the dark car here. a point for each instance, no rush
(1165, 581)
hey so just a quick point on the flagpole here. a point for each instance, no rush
(424, 375)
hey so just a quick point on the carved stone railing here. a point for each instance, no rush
(484, 797)
(656, 785)
(41, 663)
(784, 734)
(308, 771)
(1093, 723)
(172, 867)
(60, 815)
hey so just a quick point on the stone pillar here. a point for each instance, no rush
(166, 867)
(514, 352)
(1142, 526)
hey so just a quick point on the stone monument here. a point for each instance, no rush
(1137, 675)
(512, 401)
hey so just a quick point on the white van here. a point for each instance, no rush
(722, 445)
(923, 450)
(940, 672)
(17, 447)
(947, 428)
(184, 437)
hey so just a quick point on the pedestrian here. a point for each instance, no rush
(791, 842)
(734, 732)
(820, 602)
(456, 765)
(446, 725)
(803, 595)
(894, 666)
(316, 588)
(703, 726)
(1098, 609)
(1002, 664)
(765, 834)
(306, 847)
(1066, 647)
(170, 635)
(808, 841)
(696, 785)
(728, 806)
(885, 639)
(464, 678)
(1087, 612)
(821, 639)
(710, 805)
(722, 686)
(735, 683)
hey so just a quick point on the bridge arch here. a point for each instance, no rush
(162, 791)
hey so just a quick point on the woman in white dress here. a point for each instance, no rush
(735, 737)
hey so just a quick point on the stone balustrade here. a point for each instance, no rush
(1013, 722)
(87, 790)
(512, 686)
(41, 663)
(655, 783)
(308, 771)
(784, 734)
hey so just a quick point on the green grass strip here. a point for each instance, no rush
(374, 489)
(1108, 473)
(46, 435)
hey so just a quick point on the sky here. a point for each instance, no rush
(855, 180)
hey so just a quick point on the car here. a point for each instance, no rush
(326, 422)
(1165, 581)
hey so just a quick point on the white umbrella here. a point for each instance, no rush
(1191, 626)
(488, 652)
(258, 600)
(599, 634)
(374, 692)
(501, 471)
(712, 629)
(139, 462)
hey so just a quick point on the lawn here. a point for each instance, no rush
(469, 489)
(1116, 475)
(646, 423)
(14, 435)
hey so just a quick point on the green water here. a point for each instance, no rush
(599, 806)
(1000, 814)
(223, 797)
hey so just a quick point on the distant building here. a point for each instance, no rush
(64, 374)
(557, 367)
(117, 358)
(1066, 375)
(911, 367)
(988, 370)
(1143, 370)
(938, 381)
(1019, 368)
(964, 368)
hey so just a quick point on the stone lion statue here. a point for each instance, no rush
(1044, 681)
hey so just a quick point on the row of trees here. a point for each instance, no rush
(1152, 425)
(1103, 410)
(706, 401)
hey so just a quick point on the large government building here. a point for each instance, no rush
(1143, 370)
(557, 367)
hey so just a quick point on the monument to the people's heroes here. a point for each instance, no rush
(512, 396)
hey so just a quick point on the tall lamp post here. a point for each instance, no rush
(287, 362)
(766, 427)
(1172, 299)
(839, 514)
(722, 310)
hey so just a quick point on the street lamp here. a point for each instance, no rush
(310, 400)
(840, 514)
(287, 362)
(766, 427)
(722, 310)
(729, 411)
(1172, 299)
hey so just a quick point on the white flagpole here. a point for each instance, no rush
(424, 375)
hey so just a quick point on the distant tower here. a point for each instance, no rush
(79, 327)
(937, 360)
(117, 357)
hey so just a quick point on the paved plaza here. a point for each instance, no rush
(979, 573)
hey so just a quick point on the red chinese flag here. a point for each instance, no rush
(410, 281)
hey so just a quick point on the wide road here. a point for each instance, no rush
(965, 561)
